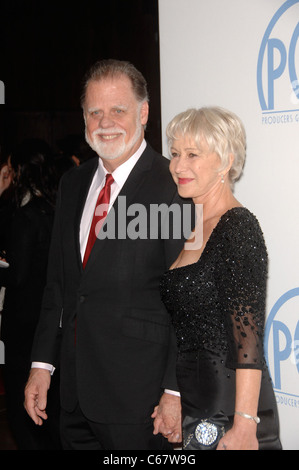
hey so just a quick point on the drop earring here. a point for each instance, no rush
(222, 179)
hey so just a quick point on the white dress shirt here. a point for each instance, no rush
(120, 175)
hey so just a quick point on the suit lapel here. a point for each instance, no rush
(89, 170)
(137, 175)
(129, 190)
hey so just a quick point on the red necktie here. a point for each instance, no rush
(99, 215)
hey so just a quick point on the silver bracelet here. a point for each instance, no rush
(256, 419)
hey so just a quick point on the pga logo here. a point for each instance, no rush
(282, 340)
(278, 59)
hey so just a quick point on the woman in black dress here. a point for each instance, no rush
(216, 291)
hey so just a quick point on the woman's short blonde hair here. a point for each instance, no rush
(223, 131)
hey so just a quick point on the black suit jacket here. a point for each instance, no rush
(118, 348)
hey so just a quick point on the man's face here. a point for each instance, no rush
(114, 119)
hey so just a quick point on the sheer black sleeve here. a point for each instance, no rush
(243, 292)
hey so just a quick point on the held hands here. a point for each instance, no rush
(36, 395)
(167, 418)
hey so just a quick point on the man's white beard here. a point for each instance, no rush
(112, 150)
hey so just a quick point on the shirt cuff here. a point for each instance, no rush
(172, 392)
(43, 365)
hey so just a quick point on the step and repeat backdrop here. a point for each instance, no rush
(244, 55)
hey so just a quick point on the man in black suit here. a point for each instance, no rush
(102, 321)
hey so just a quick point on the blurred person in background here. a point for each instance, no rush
(73, 150)
(6, 188)
(6, 205)
(34, 198)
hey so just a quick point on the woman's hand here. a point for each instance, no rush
(242, 436)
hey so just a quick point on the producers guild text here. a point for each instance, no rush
(280, 118)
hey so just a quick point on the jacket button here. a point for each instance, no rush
(81, 299)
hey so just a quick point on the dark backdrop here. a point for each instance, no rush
(46, 48)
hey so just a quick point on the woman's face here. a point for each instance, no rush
(194, 170)
(7, 175)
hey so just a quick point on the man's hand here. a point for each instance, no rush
(167, 417)
(36, 394)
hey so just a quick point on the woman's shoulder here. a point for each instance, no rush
(240, 217)
(241, 229)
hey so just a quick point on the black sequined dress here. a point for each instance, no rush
(217, 307)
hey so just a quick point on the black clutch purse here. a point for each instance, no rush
(204, 434)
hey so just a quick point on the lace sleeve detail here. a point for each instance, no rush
(244, 294)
